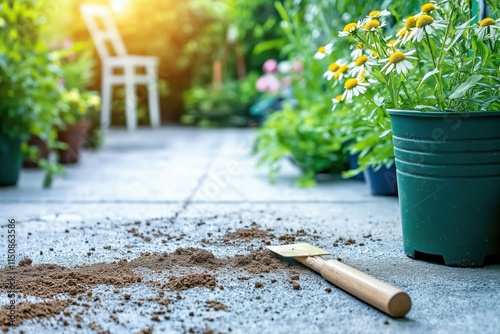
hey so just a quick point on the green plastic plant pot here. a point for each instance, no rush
(10, 161)
(448, 171)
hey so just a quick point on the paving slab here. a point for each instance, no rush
(144, 193)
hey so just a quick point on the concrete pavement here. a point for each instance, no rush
(196, 186)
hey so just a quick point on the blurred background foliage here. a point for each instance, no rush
(188, 37)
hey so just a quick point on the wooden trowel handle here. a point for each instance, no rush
(380, 295)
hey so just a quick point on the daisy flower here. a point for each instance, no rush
(336, 101)
(375, 14)
(404, 33)
(425, 24)
(339, 75)
(350, 28)
(427, 8)
(373, 25)
(332, 68)
(373, 53)
(398, 61)
(487, 25)
(358, 51)
(354, 87)
(324, 51)
(391, 44)
(361, 64)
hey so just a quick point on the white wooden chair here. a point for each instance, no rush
(119, 59)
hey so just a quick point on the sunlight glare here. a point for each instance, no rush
(120, 5)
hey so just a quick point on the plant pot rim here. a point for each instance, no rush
(467, 114)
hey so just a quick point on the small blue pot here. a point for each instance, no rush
(353, 164)
(382, 182)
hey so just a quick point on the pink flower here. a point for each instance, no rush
(270, 66)
(268, 83)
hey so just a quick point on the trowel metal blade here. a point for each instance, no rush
(297, 250)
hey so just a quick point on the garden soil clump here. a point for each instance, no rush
(49, 280)
(190, 281)
(28, 311)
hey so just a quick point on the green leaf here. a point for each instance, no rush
(464, 87)
(434, 71)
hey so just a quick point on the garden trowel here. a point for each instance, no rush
(380, 295)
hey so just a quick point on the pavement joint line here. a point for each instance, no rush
(198, 185)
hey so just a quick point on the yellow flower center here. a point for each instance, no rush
(338, 98)
(428, 7)
(359, 45)
(333, 67)
(351, 83)
(343, 68)
(336, 75)
(361, 60)
(487, 22)
(374, 13)
(424, 20)
(411, 22)
(350, 27)
(375, 54)
(321, 49)
(397, 57)
(391, 42)
(372, 24)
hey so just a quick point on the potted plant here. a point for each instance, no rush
(305, 137)
(28, 88)
(76, 109)
(439, 80)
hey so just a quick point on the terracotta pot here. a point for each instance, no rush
(43, 152)
(74, 136)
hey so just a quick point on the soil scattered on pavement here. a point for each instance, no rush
(190, 281)
(255, 232)
(215, 305)
(27, 311)
(247, 234)
(25, 262)
(49, 280)
(258, 261)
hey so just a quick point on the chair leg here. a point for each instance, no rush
(130, 98)
(107, 92)
(153, 98)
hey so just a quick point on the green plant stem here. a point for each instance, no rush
(418, 63)
(406, 91)
(438, 78)
(394, 91)
(413, 86)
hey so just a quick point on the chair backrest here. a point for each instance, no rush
(91, 14)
